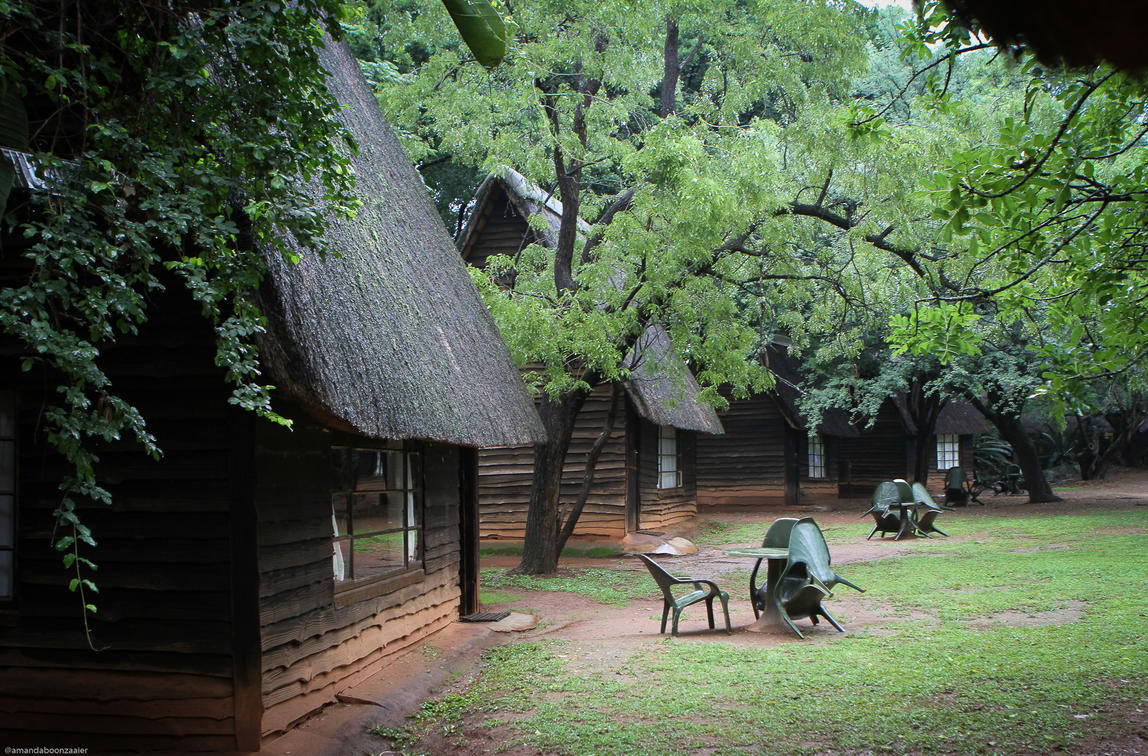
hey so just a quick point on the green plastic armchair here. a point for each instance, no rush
(704, 590)
(889, 512)
(807, 546)
(927, 511)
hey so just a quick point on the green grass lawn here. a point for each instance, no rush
(950, 673)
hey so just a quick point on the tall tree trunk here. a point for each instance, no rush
(591, 467)
(924, 410)
(541, 547)
(671, 70)
(1014, 433)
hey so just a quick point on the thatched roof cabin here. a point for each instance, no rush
(663, 414)
(256, 573)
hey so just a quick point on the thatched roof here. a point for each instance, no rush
(391, 338)
(661, 386)
(660, 382)
(528, 198)
(1076, 32)
(787, 391)
(960, 418)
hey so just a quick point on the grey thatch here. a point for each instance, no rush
(391, 337)
(960, 418)
(661, 386)
(788, 390)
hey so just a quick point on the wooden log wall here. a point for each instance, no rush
(662, 508)
(505, 473)
(880, 453)
(746, 465)
(500, 231)
(936, 483)
(163, 678)
(316, 641)
(813, 489)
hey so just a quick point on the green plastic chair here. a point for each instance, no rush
(807, 546)
(927, 511)
(886, 508)
(956, 490)
(809, 577)
(704, 590)
(776, 537)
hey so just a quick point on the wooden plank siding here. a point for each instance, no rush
(317, 641)
(163, 678)
(505, 474)
(746, 465)
(813, 489)
(663, 508)
(880, 453)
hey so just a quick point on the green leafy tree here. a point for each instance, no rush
(660, 123)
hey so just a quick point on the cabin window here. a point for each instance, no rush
(376, 505)
(816, 456)
(8, 478)
(669, 471)
(948, 451)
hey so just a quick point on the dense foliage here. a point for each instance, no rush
(175, 139)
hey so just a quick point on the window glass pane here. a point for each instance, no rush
(7, 521)
(816, 457)
(7, 414)
(7, 466)
(948, 451)
(6, 578)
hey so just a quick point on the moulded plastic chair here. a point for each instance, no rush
(886, 509)
(807, 546)
(927, 511)
(704, 590)
(776, 537)
(956, 488)
(801, 596)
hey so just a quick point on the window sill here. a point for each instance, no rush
(353, 591)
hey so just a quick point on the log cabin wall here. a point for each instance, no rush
(936, 483)
(880, 453)
(746, 465)
(317, 641)
(501, 230)
(505, 473)
(824, 487)
(662, 508)
(163, 678)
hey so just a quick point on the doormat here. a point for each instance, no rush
(485, 617)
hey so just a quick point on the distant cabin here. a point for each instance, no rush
(885, 450)
(645, 478)
(254, 573)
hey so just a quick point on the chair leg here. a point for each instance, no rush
(710, 610)
(874, 530)
(855, 587)
(677, 614)
(938, 530)
(665, 613)
(829, 617)
(725, 610)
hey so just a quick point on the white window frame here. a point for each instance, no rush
(816, 456)
(669, 466)
(411, 529)
(948, 451)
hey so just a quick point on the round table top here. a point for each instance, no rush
(760, 552)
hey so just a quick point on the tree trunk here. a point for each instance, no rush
(1014, 433)
(591, 467)
(541, 547)
(924, 410)
(671, 70)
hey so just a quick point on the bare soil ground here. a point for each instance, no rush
(600, 637)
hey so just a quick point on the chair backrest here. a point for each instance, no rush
(886, 495)
(807, 545)
(778, 534)
(921, 496)
(904, 491)
(954, 479)
(661, 577)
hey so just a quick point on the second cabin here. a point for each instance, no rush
(645, 478)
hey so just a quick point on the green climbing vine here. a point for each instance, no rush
(178, 136)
